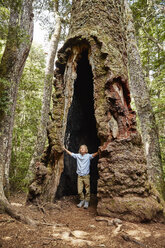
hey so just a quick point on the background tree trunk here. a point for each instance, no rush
(13, 60)
(92, 106)
(143, 105)
(49, 72)
(16, 51)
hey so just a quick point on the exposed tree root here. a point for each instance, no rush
(126, 237)
(7, 221)
(6, 207)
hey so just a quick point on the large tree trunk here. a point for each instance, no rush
(13, 60)
(143, 105)
(48, 82)
(92, 106)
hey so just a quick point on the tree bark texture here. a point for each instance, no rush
(13, 60)
(95, 52)
(48, 82)
(143, 105)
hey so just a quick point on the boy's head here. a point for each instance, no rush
(83, 149)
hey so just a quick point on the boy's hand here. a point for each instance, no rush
(63, 148)
(67, 151)
(95, 154)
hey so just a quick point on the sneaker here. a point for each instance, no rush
(86, 205)
(80, 204)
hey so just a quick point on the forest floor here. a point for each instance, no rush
(63, 225)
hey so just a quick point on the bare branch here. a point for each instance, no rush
(153, 39)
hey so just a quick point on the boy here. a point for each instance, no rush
(83, 168)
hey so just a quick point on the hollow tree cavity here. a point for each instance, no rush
(81, 128)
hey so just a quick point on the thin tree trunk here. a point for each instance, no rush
(2, 195)
(143, 105)
(13, 60)
(49, 72)
(16, 51)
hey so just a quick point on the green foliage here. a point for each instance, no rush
(149, 24)
(27, 115)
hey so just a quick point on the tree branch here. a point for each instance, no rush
(153, 39)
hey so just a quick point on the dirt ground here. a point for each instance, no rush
(63, 225)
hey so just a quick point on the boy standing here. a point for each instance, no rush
(83, 168)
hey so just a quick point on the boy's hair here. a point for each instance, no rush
(85, 148)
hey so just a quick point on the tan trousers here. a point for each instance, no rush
(84, 181)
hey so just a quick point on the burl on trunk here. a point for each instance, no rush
(92, 106)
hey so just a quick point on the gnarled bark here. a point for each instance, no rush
(91, 76)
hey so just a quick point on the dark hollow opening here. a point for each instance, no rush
(81, 129)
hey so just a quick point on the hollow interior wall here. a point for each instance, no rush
(81, 129)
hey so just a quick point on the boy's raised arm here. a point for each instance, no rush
(95, 154)
(67, 151)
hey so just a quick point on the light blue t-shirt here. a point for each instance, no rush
(83, 163)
